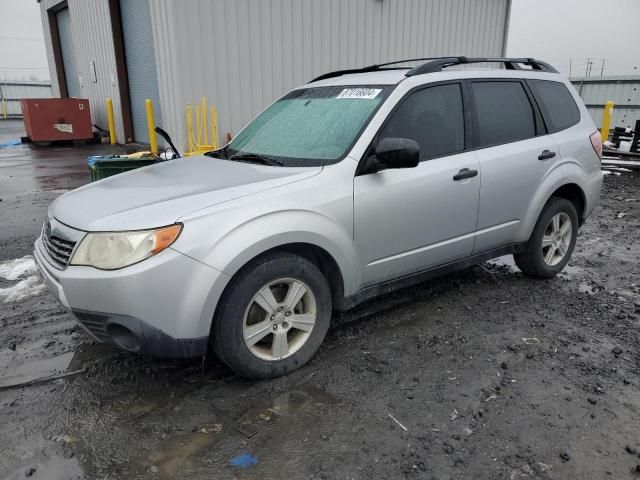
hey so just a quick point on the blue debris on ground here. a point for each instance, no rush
(245, 460)
(11, 143)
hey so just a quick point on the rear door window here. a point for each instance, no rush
(503, 113)
(557, 104)
(433, 117)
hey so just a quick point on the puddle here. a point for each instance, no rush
(35, 369)
(178, 454)
(586, 288)
(19, 369)
(569, 272)
(505, 261)
(48, 463)
(289, 404)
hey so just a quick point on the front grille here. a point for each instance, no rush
(59, 249)
(95, 323)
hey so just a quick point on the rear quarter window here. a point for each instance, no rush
(557, 104)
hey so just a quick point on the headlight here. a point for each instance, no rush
(113, 250)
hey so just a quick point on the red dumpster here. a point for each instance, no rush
(49, 119)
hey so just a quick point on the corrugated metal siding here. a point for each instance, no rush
(14, 91)
(67, 49)
(623, 91)
(93, 41)
(243, 54)
(141, 65)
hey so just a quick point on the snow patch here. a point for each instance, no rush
(28, 287)
(17, 268)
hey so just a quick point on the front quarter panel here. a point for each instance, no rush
(318, 211)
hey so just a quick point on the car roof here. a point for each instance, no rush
(395, 76)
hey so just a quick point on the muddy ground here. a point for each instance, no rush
(481, 374)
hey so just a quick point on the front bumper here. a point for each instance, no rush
(162, 306)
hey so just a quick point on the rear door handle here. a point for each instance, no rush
(546, 155)
(465, 173)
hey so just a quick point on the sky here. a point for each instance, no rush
(561, 30)
(558, 31)
(22, 52)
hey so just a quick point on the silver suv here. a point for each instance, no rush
(357, 183)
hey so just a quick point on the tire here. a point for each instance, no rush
(242, 307)
(536, 260)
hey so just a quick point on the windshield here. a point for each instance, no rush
(312, 126)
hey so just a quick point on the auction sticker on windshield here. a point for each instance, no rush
(367, 93)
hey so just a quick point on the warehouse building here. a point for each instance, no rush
(241, 54)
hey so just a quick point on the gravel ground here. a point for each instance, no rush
(481, 374)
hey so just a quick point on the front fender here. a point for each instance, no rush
(246, 241)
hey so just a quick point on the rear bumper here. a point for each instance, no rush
(162, 306)
(593, 189)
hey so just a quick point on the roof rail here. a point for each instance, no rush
(436, 64)
(374, 67)
(509, 63)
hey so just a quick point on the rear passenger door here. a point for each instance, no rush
(515, 153)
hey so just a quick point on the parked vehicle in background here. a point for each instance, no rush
(357, 183)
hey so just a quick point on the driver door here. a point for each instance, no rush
(411, 219)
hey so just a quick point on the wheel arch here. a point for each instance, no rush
(576, 195)
(560, 186)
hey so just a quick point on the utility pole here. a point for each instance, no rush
(569, 67)
(602, 69)
(586, 70)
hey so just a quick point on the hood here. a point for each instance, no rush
(158, 195)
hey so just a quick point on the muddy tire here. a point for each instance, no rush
(273, 316)
(552, 241)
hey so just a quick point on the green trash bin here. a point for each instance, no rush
(103, 166)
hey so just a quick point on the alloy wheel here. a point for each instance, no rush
(279, 319)
(557, 239)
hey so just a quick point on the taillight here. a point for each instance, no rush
(596, 143)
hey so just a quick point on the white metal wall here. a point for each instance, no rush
(93, 42)
(14, 91)
(623, 91)
(243, 54)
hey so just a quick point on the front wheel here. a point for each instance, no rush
(552, 241)
(273, 316)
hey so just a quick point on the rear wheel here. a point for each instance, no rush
(552, 241)
(273, 316)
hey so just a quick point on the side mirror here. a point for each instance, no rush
(397, 153)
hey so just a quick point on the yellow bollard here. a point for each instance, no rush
(198, 126)
(214, 128)
(111, 121)
(204, 120)
(606, 120)
(151, 126)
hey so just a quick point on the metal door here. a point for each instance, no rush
(63, 17)
(141, 64)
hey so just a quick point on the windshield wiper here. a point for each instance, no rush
(220, 153)
(257, 158)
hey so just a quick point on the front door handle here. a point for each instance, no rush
(465, 173)
(546, 155)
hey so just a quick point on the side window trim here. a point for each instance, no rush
(539, 126)
(545, 114)
(465, 114)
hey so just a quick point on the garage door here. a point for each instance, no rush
(141, 64)
(68, 53)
